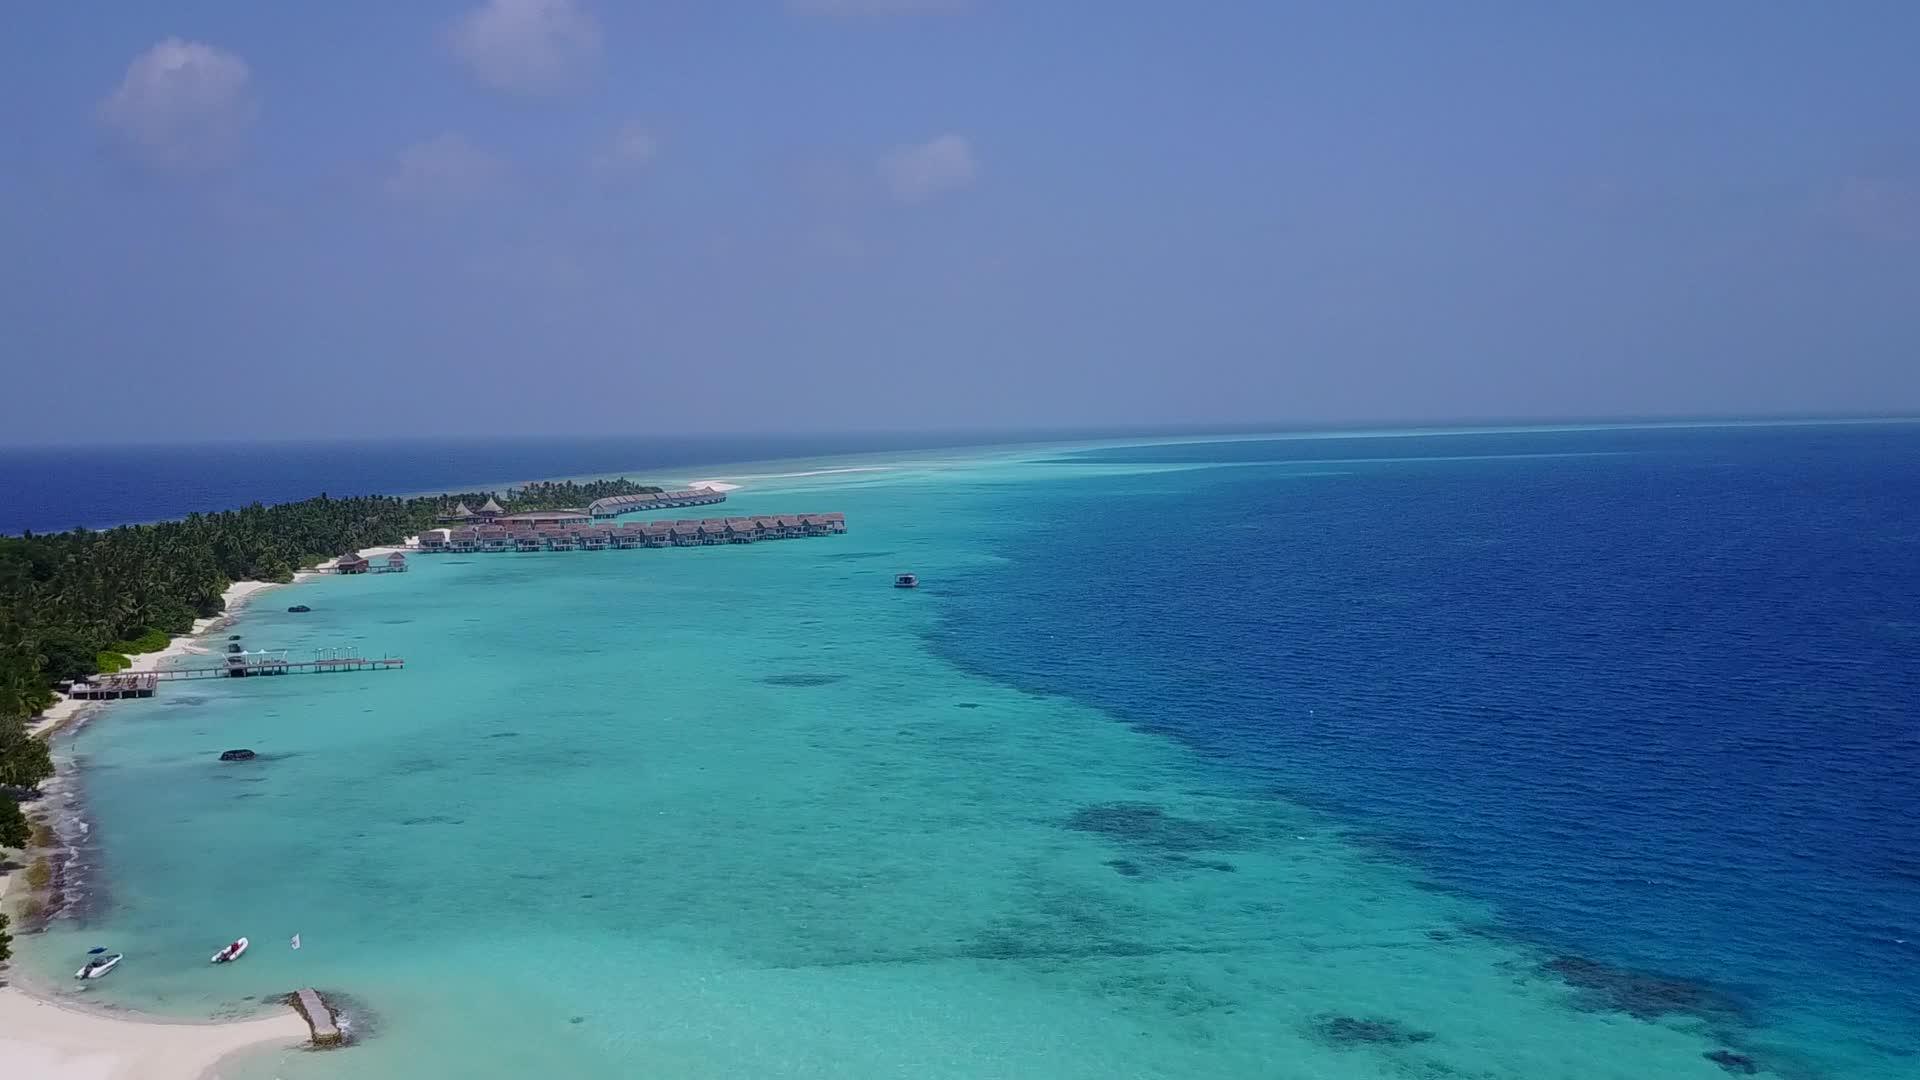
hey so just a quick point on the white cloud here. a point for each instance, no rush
(844, 9)
(184, 106)
(921, 171)
(630, 151)
(446, 171)
(530, 47)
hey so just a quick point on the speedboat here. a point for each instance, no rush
(98, 964)
(231, 952)
(906, 581)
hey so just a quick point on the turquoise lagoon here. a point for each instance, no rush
(739, 812)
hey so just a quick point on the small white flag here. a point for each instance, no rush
(296, 941)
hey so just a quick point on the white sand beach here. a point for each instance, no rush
(46, 1040)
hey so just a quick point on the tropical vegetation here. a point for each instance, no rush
(15, 832)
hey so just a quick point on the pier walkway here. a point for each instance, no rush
(242, 665)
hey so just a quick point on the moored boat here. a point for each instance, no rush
(231, 952)
(906, 581)
(99, 964)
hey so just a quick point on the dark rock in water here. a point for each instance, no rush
(967, 705)
(1367, 1030)
(577, 1020)
(1732, 1062)
(1125, 867)
(233, 637)
(802, 679)
(504, 735)
(299, 609)
(1148, 826)
(238, 755)
(1640, 994)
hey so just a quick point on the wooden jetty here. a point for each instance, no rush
(247, 664)
(133, 684)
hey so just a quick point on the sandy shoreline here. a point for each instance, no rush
(47, 1038)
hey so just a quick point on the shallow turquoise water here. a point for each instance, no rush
(724, 812)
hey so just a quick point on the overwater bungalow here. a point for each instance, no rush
(615, 505)
(394, 563)
(569, 530)
(350, 563)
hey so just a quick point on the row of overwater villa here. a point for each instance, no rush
(574, 530)
(600, 509)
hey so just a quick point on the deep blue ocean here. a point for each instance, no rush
(1654, 694)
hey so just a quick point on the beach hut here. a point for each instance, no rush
(350, 563)
(396, 563)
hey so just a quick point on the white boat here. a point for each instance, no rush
(99, 965)
(906, 581)
(231, 952)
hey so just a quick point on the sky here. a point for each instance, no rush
(233, 219)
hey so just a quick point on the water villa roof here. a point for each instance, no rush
(460, 510)
(492, 507)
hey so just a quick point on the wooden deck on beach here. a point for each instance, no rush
(133, 684)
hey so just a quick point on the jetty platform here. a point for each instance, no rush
(318, 1015)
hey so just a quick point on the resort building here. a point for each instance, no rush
(489, 510)
(350, 563)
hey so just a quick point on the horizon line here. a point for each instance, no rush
(1277, 427)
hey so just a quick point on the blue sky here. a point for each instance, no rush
(540, 216)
